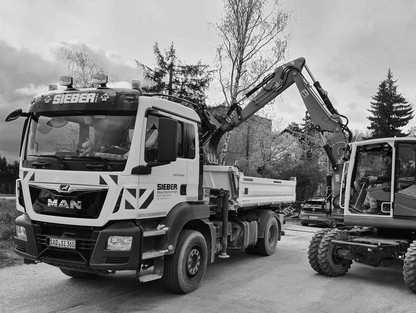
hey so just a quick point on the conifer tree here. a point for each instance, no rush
(175, 78)
(390, 110)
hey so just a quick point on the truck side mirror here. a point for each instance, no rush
(14, 115)
(167, 146)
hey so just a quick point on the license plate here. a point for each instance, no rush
(62, 243)
(313, 217)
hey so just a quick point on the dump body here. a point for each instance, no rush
(248, 192)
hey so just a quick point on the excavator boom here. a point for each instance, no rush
(323, 115)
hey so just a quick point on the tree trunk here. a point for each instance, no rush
(224, 149)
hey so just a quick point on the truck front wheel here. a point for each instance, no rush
(330, 263)
(313, 250)
(268, 223)
(185, 268)
(409, 267)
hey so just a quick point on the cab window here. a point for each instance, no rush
(405, 166)
(186, 139)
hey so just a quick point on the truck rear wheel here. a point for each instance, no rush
(185, 268)
(409, 267)
(251, 250)
(78, 274)
(330, 263)
(313, 249)
(270, 228)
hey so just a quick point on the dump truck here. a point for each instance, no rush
(112, 179)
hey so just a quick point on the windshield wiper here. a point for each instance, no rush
(95, 165)
(44, 164)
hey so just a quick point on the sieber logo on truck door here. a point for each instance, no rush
(166, 191)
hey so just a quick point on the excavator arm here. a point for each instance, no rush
(323, 115)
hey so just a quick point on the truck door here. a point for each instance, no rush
(405, 180)
(171, 183)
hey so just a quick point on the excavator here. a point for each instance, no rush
(373, 182)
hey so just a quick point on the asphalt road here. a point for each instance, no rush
(283, 282)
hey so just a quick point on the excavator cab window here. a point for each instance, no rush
(405, 183)
(405, 166)
(372, 180)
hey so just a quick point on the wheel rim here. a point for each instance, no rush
(194, 262)
(272, 235)
(336, 259)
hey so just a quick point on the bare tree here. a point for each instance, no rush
(81, 66)
(253, 43)
(276, 150)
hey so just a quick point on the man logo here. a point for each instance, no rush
(64, 188)
(71, 204)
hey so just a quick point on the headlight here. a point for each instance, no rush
(119, 243)
(20, 233)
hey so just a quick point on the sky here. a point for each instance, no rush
(348, 45)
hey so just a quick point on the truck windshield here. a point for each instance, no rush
(79, 142)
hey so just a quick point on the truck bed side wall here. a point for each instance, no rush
(249, 191)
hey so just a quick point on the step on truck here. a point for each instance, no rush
(113, 179)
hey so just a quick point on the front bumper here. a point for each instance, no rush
(90, 253)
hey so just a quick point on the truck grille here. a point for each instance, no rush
(85, 242)
(81, 204)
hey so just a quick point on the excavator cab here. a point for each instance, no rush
(379, 184)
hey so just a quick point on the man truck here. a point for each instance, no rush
(113, 179)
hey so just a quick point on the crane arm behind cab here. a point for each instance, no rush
(323, 115)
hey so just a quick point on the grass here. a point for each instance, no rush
(8, 214)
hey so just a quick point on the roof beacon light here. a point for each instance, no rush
(100, 79)
(67, 81)
(136, 84)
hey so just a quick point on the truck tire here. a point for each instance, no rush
(185, 268)
(78, 274)
(270, 227)
(313, 250)
(329, 262)
(409, 267)
(251, 250)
